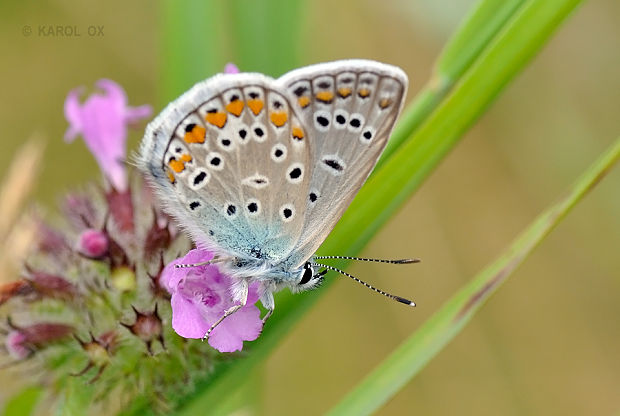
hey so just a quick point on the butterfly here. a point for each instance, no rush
(260, 170)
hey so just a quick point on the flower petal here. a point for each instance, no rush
(135, 114)
(73, 114)
(171, 276)
(113, 92)
(231, 68)
(243, 325)
(186, 318)
(102, 120)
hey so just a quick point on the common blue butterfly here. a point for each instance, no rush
(260, 170)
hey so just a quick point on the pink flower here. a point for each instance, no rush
(231, 68)
(102, 121)
(200, 295)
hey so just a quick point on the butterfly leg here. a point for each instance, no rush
(243, 295)
(269, 304)
(202, 263)
(267, 315)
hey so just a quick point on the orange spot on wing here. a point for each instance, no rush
(256, 105)
(171, 177)
(235, 107)
(298, 133)
(217, 119)
(364, 92)
(197, 135)
(279, 118)
(324, 96)
(176, 165)
(303, 101)
(344, 92)
(385, 103)
(186, 157)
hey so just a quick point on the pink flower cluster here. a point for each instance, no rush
(200, 295)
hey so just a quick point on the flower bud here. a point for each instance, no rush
(11, 289)
(50, 240)
(80, 211)
(93, 243)
(99, 351)
(16, 345)
(51, 286)
(21, 342)
(147, 327)
(123, 279)
(157, 239)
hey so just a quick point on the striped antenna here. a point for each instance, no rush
(394, 297)
(398, 261)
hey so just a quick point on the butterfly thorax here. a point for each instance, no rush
(271, 276)
(256, 269)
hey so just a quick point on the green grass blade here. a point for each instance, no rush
(24, 402)
(266, 34)
(474, 35)
(498, 38)
(189, 50)
(521, 37)
(408, 359)
(196, 43)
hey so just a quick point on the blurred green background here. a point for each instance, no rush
(547, 343)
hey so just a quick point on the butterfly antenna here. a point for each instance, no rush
(389, 295)
(398, 261)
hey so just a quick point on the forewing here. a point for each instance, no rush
(230, 161)
(348, 109)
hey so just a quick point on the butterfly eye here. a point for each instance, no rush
(307, 275)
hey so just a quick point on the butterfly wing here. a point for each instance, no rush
(349, 109)
(230, 161)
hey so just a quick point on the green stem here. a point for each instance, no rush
(478, 30)
(408, 359)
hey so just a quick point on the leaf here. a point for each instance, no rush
(197, 40)
(478, 30)
(190, 48)
(24, 402)
(265, 34)
(76, 398)
(408, 359)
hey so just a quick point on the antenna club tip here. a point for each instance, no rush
(408, 261)
(405, 301)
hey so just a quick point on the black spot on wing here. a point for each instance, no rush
(200, 177)
(334, 164)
